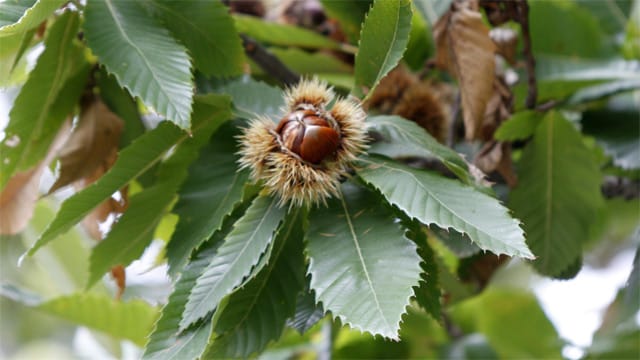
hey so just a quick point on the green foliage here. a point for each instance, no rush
(255, 314)
(433, 199)
(45, 100)
(143, 57)
(282, 35)
(19, 16)
(499, 314)
(132, 162)
(401, 138)
(235, 259)
(357, 237)
(389, 268)
(208, 32)
(558, 194)
(383, 40)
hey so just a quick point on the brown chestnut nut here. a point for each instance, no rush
(308, 135)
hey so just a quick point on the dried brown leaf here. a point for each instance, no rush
(94, 141)
(496, 156)
(465, 49)
(18, 199)
(506, 41)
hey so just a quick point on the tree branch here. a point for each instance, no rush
(268, 62)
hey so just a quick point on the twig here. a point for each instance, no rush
(523, 19)
(268, 62)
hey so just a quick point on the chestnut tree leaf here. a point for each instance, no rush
(240, 251)
(558, 194)
(433, 199)
(353, 244)
(19, 16)
(383, 40)
(142, 55)
(45, 100)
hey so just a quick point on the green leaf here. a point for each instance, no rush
(132, 162)
(134, 230)
(519, 126)
(428, 291)
(558, 194)
(241, 250)
(253, 98)
(142, 55)
(307, 314)
(256, 313)
(211, 191)
(282, 34)
(501, 315)
(383, 40)
(349, 14)
(401, 138)
(165, 341)
(121, 103)
(303, 62)
(207, 30)
(599, 91)
(352, 245)
(563, 28)
(458, 243)
(130, 320)
(434, 199)
(45, 100)
(19, 16)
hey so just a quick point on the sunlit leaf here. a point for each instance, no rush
(383, 40)
(352, 246)
(142, 55)
(434, 199)
(22, 15)
(45, 100)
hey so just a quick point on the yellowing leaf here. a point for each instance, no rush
(465, 49)
(92, 144)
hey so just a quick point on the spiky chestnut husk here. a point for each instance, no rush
(302, 172)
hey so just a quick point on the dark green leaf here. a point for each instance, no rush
(383, 40)
(132, 162)
(519, 126)
(207, 30)
(401, 138)
(134, 229)
(306, 63)
(282, 34)
(241, 250)
(599, 91)
(558, 194)
(428, 292)
(434, 199)
(211, 191)
(353, 244)
(45, 100)
(166, 341)
(308, 313)
(563, 28)
(121, 103)
(142, 55)
(22, 15)
(349, 14)
(256, 313)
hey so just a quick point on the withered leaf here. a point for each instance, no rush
(18, 199)
(465, 49)
(94, 141)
